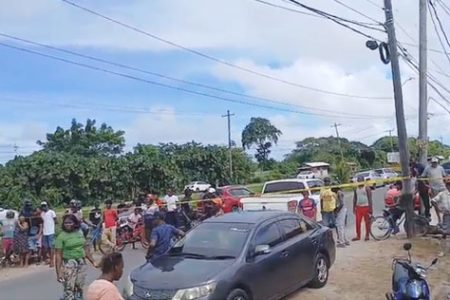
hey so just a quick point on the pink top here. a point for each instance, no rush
(102, 289)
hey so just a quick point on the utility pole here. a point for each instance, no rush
(390, 137)
(406, 199)
(339, 140)
(230, 152)
(423, 101)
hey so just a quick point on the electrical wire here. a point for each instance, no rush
(218, 60)
(332, 18)
(434, 19)
(358, 23)
(171, 78)
(444, 7)
(358, 12)
(151, 82)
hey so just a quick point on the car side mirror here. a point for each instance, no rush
(262, 250)
(407, 246)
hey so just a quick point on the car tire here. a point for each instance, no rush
(321, 269)
(238, 294)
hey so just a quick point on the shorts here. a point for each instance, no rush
(48, 241)
(33, 243)
(7, 245)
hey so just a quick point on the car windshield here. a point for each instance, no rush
(241, 192)
(283, 186)
(213, 241)
(364, 174)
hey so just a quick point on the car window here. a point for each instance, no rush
(314, 185)
(364, 174)
(268, 235)
(292, 227)
(379, 171)
(214, 239)
(201, 182)
(240, 192)
(219, 192)
(283, 186)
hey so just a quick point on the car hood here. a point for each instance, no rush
(169, 272)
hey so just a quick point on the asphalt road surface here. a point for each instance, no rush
(42, 285)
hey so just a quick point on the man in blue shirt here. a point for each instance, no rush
(162, 234)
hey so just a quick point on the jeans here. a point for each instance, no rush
(340, 226)
(329, 219)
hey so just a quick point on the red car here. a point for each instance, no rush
(231, 196)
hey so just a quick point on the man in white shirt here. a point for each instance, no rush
(171, 204)
(48, 239)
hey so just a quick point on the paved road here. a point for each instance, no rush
(43, 285)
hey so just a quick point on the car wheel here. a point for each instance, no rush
(238, 294)
(321, 270)
(197, 189)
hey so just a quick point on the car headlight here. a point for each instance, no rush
(128, 289)
(195, 292)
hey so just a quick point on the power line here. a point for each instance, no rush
(434, 19)
(169, 77)
(370, 26)
(332, 18)
(178, 88)
(358, 12)
(218, 60)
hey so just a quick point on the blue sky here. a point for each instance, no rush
(37, 94)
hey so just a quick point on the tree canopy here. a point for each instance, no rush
(261, 133)
(87, 163)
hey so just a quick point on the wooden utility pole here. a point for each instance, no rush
(423, 101)
(338, 138)
(406, 200)
(230, 149)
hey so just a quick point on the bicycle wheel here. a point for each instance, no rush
(121, 240)
(380, 228)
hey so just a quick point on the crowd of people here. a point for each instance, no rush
(334, 211)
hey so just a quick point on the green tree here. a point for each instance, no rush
(262, 133)
(85, 139)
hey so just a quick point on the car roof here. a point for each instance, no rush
(250, 217)
(232, 186)
(292, 180)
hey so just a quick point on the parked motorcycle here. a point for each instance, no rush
(409, 279)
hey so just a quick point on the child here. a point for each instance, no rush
(307, 206)
(8, 227)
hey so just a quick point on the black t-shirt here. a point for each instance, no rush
(95, 216)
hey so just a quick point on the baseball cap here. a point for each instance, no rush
(434, 160)
(43, 203)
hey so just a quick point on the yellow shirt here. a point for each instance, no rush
(328, 199)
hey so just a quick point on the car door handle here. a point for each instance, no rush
(285, 253)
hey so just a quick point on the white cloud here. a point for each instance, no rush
(313, 51)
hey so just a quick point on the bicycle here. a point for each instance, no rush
(382, 226)
(127, 235)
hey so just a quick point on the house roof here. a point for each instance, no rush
(316, 164)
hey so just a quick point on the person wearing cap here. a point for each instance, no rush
(161, 237)
(435, 175)
(48, 232)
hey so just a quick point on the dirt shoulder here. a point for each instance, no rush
(363, 270)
